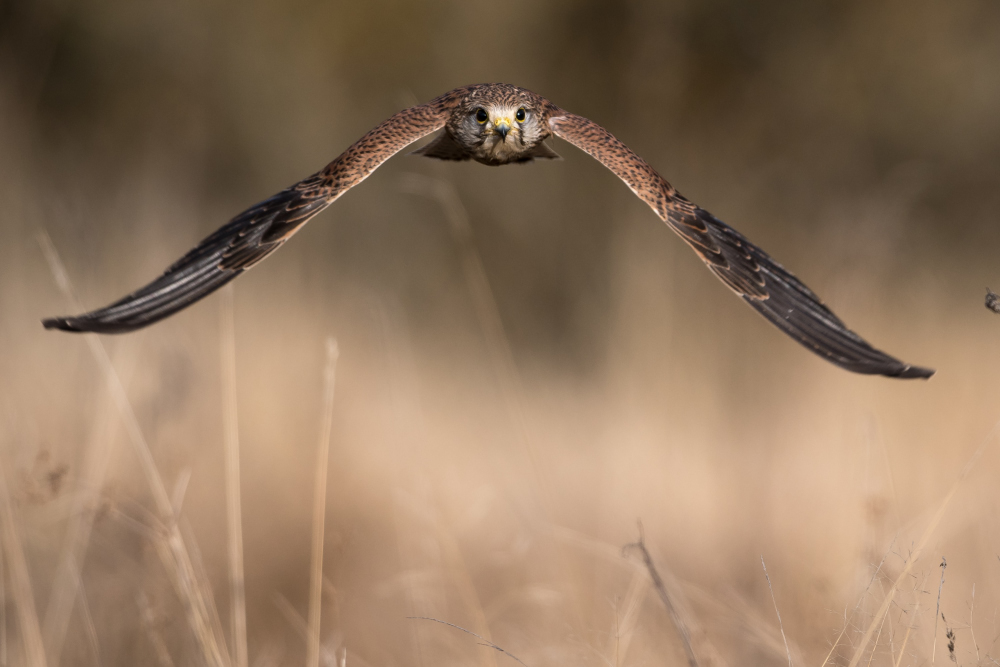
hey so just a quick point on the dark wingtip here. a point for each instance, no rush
(61, 323)
(909, 372)
(87, 325)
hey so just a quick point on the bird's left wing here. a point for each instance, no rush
(746, 269)
(260, 230)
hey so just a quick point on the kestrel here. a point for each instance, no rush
(496, 124)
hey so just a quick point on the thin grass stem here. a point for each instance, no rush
(319, 505)
(66, 580)
(781, 627)
(922, 542)
(24, 600)
(234, 518)
(937, 609)
(175, 557)
(666, 598)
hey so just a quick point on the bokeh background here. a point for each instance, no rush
(493, 449)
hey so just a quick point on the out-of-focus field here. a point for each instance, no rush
(492, 450)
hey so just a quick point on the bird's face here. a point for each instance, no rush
(498, 133)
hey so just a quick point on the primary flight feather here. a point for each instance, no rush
(495, 124)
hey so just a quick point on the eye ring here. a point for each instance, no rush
(481, 115)
(520, 115)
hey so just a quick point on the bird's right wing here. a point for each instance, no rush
(746, 269)
(260, 230)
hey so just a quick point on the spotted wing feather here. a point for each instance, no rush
(746, 269)
(257, 232)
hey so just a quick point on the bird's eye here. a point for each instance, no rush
(482, 116)
(520, 115)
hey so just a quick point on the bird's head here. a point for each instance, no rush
(499, 124)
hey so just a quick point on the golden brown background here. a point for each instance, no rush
(857, 142)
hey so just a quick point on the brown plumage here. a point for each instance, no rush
(496, 124)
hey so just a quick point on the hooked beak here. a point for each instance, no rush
(502, 126)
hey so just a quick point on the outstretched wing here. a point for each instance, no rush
(746, 269)
(257, 232)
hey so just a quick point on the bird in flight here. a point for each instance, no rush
(495, 124)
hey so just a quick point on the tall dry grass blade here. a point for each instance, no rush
(902, 650)
(666, 599)
(88, 624)
(879, 635)
(66, 580)
(152, 632)
(922, 542)
(179, 562)
(909, 627)
(972, 631)
(24, 600)
(937, 609)
(776, 612)
(234, 518)
(189, 590)
(204, 583)
(319, 505)
(835, 642)
(861, 599)
(295, 620)
(180, 489)
(626, 625)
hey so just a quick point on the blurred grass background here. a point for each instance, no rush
(856, 142)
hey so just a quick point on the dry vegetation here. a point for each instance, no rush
(528, 362)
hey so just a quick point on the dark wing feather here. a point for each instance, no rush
(257, 232)
(746, 269)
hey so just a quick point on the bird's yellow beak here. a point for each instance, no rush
(502, 126)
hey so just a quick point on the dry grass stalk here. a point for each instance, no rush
(483, 640)
(152, 632)
(833, 648)
(972, 632)
(234, 518)
(176, 558)
(299, 625)
(24, 601)
(188, 589)
(909, 627)
(88, 624)
(744, 613)
(180, 489)
(66, 580)
(857, 606)
(937, 609)
(203, 583)
(777, 613)
(877, 637)
(319, 505)
(922, 542)
(626, 625)
(666, 598)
